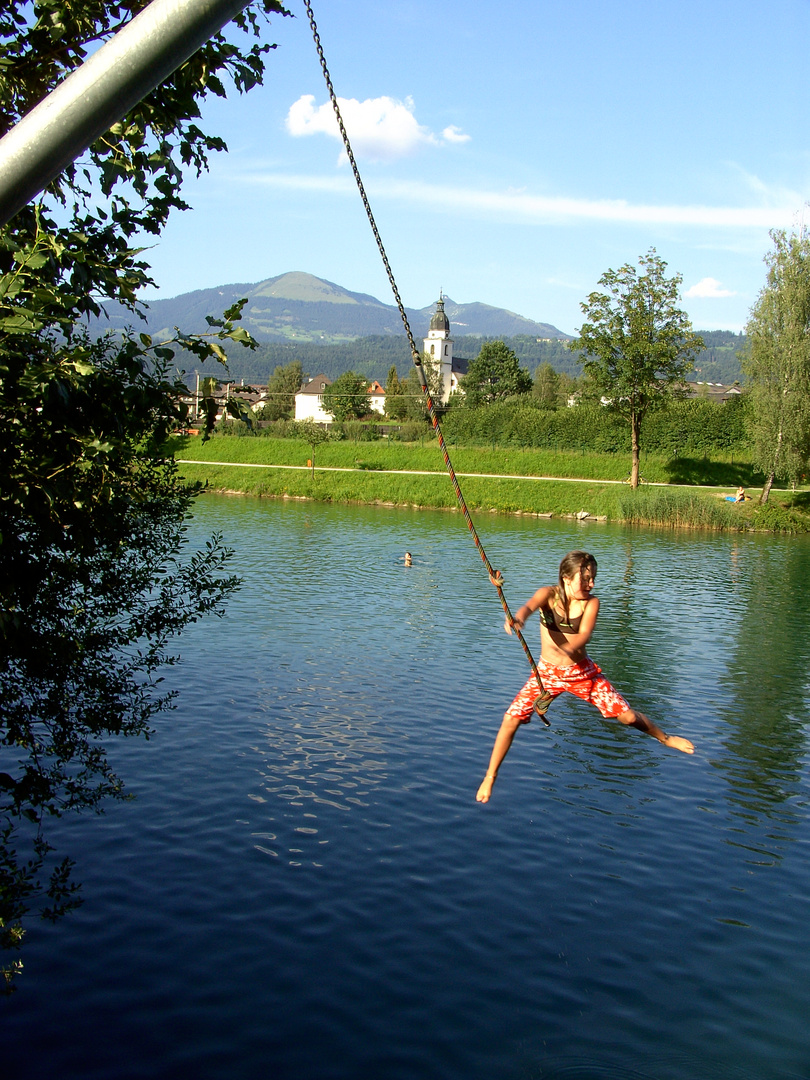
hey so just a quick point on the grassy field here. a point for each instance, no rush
(366, 481)
(500, 460)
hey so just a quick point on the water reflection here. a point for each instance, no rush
(765, 701)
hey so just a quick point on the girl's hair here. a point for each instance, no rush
(573, 561)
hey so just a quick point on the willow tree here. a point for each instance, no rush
(638, 345)
(95, 577)
(778, 362)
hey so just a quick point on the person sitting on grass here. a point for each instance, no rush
(567, 618)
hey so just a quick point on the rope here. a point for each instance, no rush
(542, 703)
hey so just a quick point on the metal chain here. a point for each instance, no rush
(544, 700)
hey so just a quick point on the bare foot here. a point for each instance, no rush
(677, 743)
(643, 723)
(485, 790)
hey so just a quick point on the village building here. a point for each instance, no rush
(376, 398)
(719, 392)
(252, 397)
(309, 401)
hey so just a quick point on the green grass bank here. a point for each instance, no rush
(590, 482)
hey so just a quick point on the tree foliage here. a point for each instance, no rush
(283, 385)
(494, 375)
(778, 362)
(546, 386)
(347, 397)
(638, 345)
(94, 579)
(416, 406)
(396, 406)
(313, 433)
(684, 431)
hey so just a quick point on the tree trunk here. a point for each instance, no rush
(766, 490)
(634, 440)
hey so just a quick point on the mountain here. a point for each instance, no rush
(295, 315)
(298, 308)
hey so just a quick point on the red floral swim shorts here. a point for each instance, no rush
(584, 680)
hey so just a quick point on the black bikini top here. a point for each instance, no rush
(554, 620)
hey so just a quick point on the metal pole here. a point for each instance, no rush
(103, 90)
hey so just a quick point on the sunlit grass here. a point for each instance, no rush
(366, 481)
(655, 468)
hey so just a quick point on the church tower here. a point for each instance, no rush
(439, 347)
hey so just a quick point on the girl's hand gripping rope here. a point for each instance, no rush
(541, 704)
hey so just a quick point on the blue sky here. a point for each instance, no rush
(512, 153)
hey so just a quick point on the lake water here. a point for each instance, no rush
(305, 887)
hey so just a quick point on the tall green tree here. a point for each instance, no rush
(495, 374)
(638, 345)
(546, 386)
(395, 404)
(567, 388)
(282, 386)
(95, 577)
(347, 397)
(778, 362)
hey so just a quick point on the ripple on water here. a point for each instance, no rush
(306, 880)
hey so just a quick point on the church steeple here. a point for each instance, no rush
(439, 346)
(440, 320)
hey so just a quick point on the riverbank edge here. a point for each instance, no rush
(661, 507)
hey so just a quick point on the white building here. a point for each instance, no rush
(376, 398)
(439, 347)
(309, 401)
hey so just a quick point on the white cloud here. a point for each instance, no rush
(454, 134)
(380, 129)
(708, 288)
(519, 206)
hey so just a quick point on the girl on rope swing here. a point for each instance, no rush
(567, 618)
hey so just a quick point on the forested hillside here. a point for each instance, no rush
(374, 357)
(720, 360)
